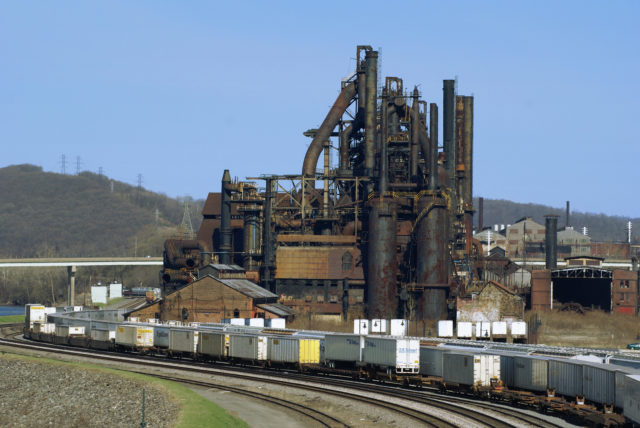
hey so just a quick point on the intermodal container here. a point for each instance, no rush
(400, 354)
(283, 349)
(599, 383)
(621, 384)
(211, 343)
(161, 336)
(470, 369)
(631, 399)
(248, 347)
(135, 336)
(183, 340)
(465, 330)
(565, 377)
(431, 361)
(67, 330)
(343, 347)
(310, 351)
(530, 372)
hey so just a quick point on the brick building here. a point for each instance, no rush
(494, 302)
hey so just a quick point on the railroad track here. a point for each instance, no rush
(432, 412)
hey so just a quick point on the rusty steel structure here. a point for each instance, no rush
(391, 222)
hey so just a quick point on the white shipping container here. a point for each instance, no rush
(49, 310)
(399, 327)
(256, 322)
(378, 326)
(115, 290)
(470, 369)
(360, 326)
(631, 402)
(499, 328)
(518, 328)
(66, 330)
(78, 308)
(34, 313)
(237, 321)
(100, 335)
(183, 340)
(137, 336)
(465, 330)
(99, 294)
(277, 323)
(483, 330)
(445, 328)
(401, 355)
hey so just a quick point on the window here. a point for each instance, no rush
(236, 313)
(347, 262)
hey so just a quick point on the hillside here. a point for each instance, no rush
(55, 215)
(601, 227)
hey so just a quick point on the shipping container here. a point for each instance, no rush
(360, 326)
(621, 384)
(34, 312)
(378, 326)
(248, 347)
(470, 369)
(276, 323)
(530, 372)
(343, 347)
(399, 327)
(66, 330)
(100, 335)
(518, 329)
(255, 322)
(507, 370)
(483, 330)
(599, 383)
(237, 321)
(631, 402)
(445, 328)
(161, 336)
(310, 351)
(431, 361)
(565, 377)
(499, 329)
(135, 336)
(212, 344)
(44, 328)
(283, 349)
(183, 341)
(626, 362)
(396, 354)
(465, 330)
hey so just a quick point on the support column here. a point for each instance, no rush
(71, 273)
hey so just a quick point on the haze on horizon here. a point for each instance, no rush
(179, 92)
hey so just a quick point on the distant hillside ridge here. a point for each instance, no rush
(601, 227)
(45, 214)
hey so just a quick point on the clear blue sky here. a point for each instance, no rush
(179, 91)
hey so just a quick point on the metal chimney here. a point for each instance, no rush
(551, 241)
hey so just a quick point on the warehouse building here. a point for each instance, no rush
(222, 291)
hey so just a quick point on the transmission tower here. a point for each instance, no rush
(63, 164)
(186, 228)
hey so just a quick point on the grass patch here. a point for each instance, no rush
(9, 319)
(195, 410)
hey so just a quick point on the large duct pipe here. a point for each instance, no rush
(324, 132)
(371, 69)
(268, 267)
(384, 133)
(550, 241)
(432, 156)
(381, 259)
(251, 236)
(345, 140)
(415, 136)
(448, 125)
(225, 219)
(467, 151)
(431, 266)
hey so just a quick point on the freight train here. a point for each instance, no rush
(548, 382)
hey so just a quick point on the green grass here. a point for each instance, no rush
(8, 319)
(195, 410)
(110, 302)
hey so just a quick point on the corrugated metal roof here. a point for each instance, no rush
(247, 288)
(226, 268)
(277, 308)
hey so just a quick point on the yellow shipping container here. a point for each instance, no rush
(309, 351)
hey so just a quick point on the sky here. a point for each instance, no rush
(179, 91)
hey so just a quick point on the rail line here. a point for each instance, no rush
(505, 418)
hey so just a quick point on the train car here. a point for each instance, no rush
(565, 377)
(213, 345)
(431, 361)
(530, 372)
(343, 350)
(392, 354)
(250, 348)
(102, 339)
(134, 337)
(471, 371)
(183, 342)
(161, 337)
(293, 351)
(631, 399)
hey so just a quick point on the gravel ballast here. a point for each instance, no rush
(41, 394)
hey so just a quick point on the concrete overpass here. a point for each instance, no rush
(72, 263)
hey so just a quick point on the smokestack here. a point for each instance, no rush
(448, 125)
(225, 219)
(567, 224)
(467, 151)
(415, 136)
(551, 241)
(267, 268)
(384, 132)
(480, 214)
(432, 157)
(371, 70)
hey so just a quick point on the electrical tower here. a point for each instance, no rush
(186, 228)
(78, 164)
(63, 164)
